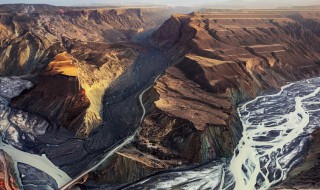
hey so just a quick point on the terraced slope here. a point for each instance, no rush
(221, 59)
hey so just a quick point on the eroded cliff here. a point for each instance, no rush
(85, 49)
(221, 59)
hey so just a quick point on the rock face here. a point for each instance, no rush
(72, 55)
(81, 50)
(66, 106)
(220, 60)
(8, 174)
(29, 40)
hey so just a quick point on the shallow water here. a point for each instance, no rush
(9, 88)
(277, 129)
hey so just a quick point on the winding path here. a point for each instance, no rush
(277, 129)
(113, 151)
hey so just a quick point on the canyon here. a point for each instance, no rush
(124, 94)
(98, 42)
(221, 60)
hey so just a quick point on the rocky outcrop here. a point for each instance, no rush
(221, 59)
(8, 175)
(229, 56)
(65, 106)
(29, 40)
(70, 91)
(82, 50)
(72, 55)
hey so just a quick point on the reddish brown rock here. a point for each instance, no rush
(78, 52)
(220, 60)
(8, 175)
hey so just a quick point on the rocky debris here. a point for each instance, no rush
(18, 129)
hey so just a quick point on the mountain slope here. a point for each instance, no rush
(100, 41)
(221, 60)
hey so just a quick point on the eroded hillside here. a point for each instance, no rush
(94, 66)
(221, 60)
(86, 49)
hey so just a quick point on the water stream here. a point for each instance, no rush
(9, 88)
(276, 132)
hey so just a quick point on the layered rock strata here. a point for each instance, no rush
(221, 60)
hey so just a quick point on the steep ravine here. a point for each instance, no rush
(101, 43)
(274, 141)
(216, 62)
(192, 117)
(72, 58)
